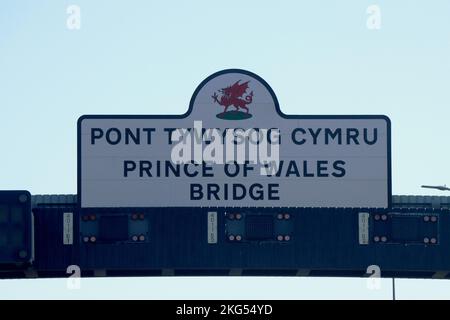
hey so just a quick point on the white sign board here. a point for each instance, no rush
(234, 148)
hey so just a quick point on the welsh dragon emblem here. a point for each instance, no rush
(234, 96)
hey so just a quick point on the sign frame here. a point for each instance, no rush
(277, 109)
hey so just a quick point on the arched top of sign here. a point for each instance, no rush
(228, 95)
(234, 94)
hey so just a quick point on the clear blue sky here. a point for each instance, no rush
(147, 57)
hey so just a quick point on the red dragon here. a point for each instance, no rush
(233, 96)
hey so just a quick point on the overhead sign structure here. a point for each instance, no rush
(234, 148)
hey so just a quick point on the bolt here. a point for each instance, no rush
(23, 254)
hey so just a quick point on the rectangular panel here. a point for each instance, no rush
(68, 228)
(363, 227)
(15, 227)
(212, 227)
(128, 174)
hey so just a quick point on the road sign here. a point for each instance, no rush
(234, 148)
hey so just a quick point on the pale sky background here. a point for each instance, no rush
(147, 57)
